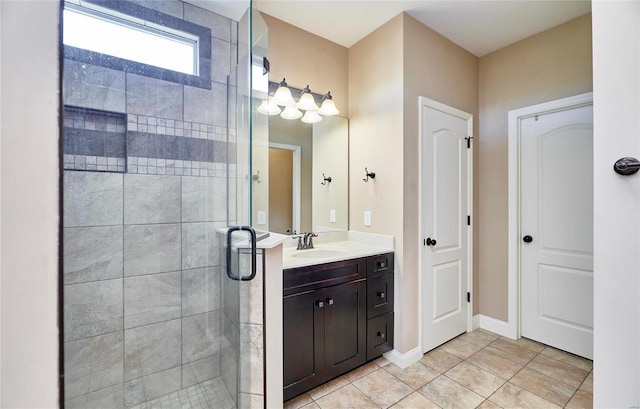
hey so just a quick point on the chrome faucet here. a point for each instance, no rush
(305, 241)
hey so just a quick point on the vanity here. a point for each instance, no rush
(337, 311)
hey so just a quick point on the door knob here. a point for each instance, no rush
(527, 239)
(430, 242)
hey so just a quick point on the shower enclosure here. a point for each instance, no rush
(157, 166)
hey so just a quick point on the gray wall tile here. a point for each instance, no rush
(92, 199)
(200, 290)
(112, 398)
(92, 364)
(206, 106)
(150, 249)
(220, 26)
(151, 349)
(199, 371)
(92, 253)
(204, 199)
(199, 245)
(171, 7)
(151, 299)
(92, 309)
(221, 64)
(200, 336)
(91, 86)
(152, 97)
(152, 386)
(151, 199)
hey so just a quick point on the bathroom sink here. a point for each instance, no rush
(318, 253)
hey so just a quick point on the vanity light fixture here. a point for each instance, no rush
(268, 107)
(306, 101)
(311, 117)
(291, 112)
(328, 106)
(283, 96)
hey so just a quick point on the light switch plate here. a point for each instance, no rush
(332, 215)
(367, 218)
(262, 217)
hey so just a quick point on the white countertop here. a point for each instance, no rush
(330, 252)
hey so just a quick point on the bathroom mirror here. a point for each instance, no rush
(308, 175)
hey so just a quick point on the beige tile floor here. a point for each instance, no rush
(475, 370)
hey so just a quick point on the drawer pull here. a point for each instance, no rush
(320, 304)
(381, 295)
(330, 301)
(381, 264)
(381, 334)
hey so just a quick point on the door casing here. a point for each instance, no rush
(513, 329)
(423, 101)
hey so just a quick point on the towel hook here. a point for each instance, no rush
(370, 175)
(327, 179)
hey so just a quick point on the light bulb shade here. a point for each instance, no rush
(268, 107)
(328, 108)
(311, 117)
(283, 95)
(291, 112)
(306, 102)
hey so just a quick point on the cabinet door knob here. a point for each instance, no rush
(381, 294)
(381, 334)
(320, 304)
(330, 301)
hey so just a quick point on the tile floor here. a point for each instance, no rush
(475, 370)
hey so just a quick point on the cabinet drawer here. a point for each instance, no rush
(379, 335)
(379, 294)
(380, 264)
(308, 278)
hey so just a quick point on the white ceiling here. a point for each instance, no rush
(479, 26)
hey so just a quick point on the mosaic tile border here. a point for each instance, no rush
(163, 126)
(94, 163)
(153, 166)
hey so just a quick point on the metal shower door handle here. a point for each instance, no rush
(254, 252)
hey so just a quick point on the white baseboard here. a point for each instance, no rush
(475, 322)
(494, 325)
(406, 359)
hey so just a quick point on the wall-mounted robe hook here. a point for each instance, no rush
(370, 175)
(327, 179)
(256, 177)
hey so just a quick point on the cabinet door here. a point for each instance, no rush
(345, 326)
(303, 328)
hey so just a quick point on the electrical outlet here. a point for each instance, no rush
(262, 217)
(332, 215)
(367, 218)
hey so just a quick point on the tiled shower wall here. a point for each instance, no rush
(142, 275)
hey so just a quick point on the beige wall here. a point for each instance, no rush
(436, 68)
(551, 65)
(388, 71)
(304, 58)
(29, 217)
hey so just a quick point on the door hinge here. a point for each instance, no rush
(468, 297)
(469, 220)
(469, 141)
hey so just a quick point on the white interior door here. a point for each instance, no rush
(557, 229)
(446, 203)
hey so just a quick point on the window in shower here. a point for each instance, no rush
(138, 40)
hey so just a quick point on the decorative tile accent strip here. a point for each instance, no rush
(162, 126)
(95, 163)
(153, 166)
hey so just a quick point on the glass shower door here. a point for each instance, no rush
(243, 327)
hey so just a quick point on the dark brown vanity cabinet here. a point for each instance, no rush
(332, 323)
